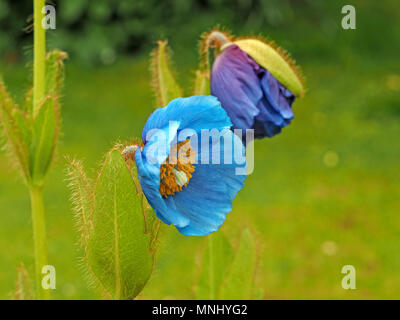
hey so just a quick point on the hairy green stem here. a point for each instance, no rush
(39, 239)
(39, 55)
(36, 192)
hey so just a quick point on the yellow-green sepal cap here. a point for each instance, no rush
(275, 61)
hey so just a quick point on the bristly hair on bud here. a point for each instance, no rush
(210, 44)
(201, 85)
(165, 86)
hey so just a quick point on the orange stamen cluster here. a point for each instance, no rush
(181, 158)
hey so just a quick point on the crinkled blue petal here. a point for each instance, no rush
(237, 87)
(158, 142)
(149, 178)
(207, 198)
(195, 112)
(212, 187)
(275, 106)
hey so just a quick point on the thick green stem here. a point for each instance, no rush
(39, 55)
(39, 239)
(36, 192)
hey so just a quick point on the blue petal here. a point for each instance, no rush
(277, 98)
(208, 197)
(196, 112)
(275, 107)
(158, 142)
(149, 178)
(201, 207)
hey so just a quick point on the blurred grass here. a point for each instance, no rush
(324, 193)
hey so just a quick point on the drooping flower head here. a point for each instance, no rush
(189, 177)
(244, 78)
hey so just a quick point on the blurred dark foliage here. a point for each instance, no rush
(96, 31)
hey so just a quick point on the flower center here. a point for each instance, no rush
(177, 169)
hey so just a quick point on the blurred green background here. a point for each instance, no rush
(324, 193)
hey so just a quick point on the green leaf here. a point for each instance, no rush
(118, 229)
(165, 86)
(44, 139)
(226, 274)
(238, 285)
(54, 78)
(24, 124)
(28, 101)
(258, 293)
(216, 260)
(154, 227)
(119, 248)
(276, 61)
(13, 123)
(202, 82)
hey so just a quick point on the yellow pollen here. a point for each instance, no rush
(177, 169)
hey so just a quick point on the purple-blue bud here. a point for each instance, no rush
(250, 94)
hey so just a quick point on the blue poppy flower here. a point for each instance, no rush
(176, 169)
(251, 95)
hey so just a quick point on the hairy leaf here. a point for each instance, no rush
(216, 260)
(55, 72)
(81, 199)
(153, 225)
(164, 83)
(119, 252)
(24, 124)
(12, 121)
(54, 78)
(27, 105)
(258, 293)
(227, 273)
(239, 282)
